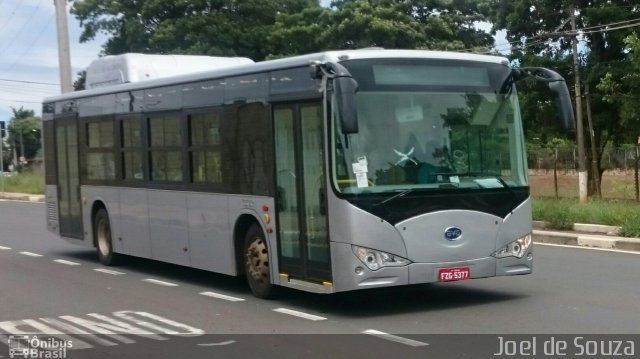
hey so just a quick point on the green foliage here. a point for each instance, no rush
(219, 27)
(80, 82)
(562, 213)
(24, 131)
(25, 182)
(554, 212)
(630, 228)
(621, 88)
(262, 29)
(351, 24)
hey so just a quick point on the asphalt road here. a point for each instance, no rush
(146, 307)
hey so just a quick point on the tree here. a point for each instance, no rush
(351, 24)
(621, 88)
(539, 28)
(366, 23)
(206, 27)
(262, 29)
(122, 19)
(24, 133)
(80, 82)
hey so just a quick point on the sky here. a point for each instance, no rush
(29, 53)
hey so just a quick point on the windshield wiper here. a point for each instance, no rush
(401, 194)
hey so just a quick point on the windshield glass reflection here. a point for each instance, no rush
(439, 139)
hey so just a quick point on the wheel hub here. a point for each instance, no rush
(258, 260)
(104, 238)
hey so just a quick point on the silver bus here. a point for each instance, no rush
(326, 172)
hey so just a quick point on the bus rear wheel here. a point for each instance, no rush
(102, 235)
(256, 263)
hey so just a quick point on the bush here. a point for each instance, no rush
(25, 182)
(562, 213)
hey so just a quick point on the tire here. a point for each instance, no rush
(256, 263)
(102, 236)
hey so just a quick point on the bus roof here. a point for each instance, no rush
(119, 69)
(279, 64)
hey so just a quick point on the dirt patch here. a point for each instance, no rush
(614, 185)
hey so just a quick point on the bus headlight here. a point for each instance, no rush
(516, 248)
(375, 260)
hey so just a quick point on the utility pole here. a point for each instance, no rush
(594, 152)
(64, 58)
(582, 166)
(22, 158)
(2, 132)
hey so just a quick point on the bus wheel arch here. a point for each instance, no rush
(102, 234)
(252, 256)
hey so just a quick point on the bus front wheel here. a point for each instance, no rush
(256, 263)
(102, 234)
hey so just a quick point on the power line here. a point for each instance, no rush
(35, 40)
(538, 39)
(10, 13)
(602, 30)
(605, 25)
(30, 82)
(20, 101)
(14, 89)
(24, 24)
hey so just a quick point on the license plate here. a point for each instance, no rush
(453, 274)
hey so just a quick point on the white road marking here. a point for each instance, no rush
(115, 332)
(108, 271)
(299, 314)
(17, 327)
(222, 296)
(583, 247)
(68, 328)
(394, 338)
(30, 254)
(160, 282)
(69, 263)
(217, 344)
(2, 248)
(187, 329)
(101, 330)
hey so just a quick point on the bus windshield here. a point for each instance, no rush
(429, 125)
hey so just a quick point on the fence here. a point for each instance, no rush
(553, 172)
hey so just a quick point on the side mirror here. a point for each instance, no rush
(563, 104)
(345, 90)
(558, 88)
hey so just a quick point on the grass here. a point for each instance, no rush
(562, 213)
(25, 182)
(614, 185)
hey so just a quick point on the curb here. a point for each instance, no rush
(22, 197)
(583, 227)
(586, 240)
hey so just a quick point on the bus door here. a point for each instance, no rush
(69, 206)
(303, 242)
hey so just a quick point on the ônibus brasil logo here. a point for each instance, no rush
(26, 346)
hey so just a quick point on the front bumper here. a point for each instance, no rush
(344, 263)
